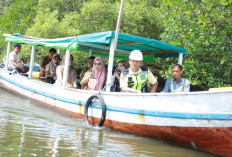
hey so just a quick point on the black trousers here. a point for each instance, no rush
(24, 71)
(50, 79)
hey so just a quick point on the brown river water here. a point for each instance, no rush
(30, 129)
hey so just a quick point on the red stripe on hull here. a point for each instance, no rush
(214, 140)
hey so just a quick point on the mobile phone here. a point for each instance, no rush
(93, 72)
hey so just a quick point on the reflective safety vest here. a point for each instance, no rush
(138, 81)
(180, 88)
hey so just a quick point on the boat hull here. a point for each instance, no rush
(199, 120)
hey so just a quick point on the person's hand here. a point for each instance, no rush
(91, 74)
(135, 91)
(69, 85)
(21, 68)
(116, 74)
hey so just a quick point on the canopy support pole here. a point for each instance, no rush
(112, 48)
(66, 68)
(8, 50)
(110, 65)
(32, 61)
(58, 50)
(180, 60)
(90, 52)
(7, 54)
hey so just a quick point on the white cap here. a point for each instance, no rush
(136, 55)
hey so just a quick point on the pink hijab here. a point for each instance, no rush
(100, 75)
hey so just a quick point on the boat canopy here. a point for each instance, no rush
(100, 44)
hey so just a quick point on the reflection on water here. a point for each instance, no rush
(29, 129)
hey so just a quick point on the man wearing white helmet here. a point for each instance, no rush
(136, 78)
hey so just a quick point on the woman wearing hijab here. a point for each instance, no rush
(72, 75)
(95, 79)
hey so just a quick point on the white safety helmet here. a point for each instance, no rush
(136, 55)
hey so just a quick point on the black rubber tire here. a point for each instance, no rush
(88, 103)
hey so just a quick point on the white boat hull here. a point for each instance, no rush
(199, 119)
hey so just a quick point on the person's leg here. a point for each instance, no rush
(52, 80)
(49, 79)
(26, 69)
(23, 71)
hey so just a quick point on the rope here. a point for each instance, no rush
(1, 66)
(103, 89)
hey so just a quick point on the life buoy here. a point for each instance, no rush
(103, 107)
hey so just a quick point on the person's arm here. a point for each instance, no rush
(12, 58)
(85, 80)
(21, 62)
(14, 63)
(167, 86)
(154, 87)
(59, 76)
(153, 81)
(41, 65)
(117, 75)
(74, 84)
(47, 71)
(83, 72)
(82, 75)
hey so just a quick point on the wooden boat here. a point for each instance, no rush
(202, 120)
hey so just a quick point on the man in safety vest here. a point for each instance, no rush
(177, 83)
(137, 77)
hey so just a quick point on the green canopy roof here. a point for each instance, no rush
(100, 44)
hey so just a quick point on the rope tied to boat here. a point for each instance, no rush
(100, 92)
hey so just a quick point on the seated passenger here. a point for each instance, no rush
(72, 75)
(87, 70)
(136, 78)
(95, 80)
(177, 83)
(121, 66)
(14, 60)
(45, 61)
(51, 69)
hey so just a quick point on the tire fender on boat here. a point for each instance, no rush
(88, 103)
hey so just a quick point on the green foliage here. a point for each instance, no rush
(139, 18)
(4, 4)
(15, 17)
(54, 19)
(97, 16)
(142, 19)
(204, 29)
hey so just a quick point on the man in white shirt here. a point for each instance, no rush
(14, 60)
(137, 78)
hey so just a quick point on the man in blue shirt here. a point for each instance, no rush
(177, 83)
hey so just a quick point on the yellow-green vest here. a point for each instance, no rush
(138, 81)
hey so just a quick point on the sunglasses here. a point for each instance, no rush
(97, 64)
